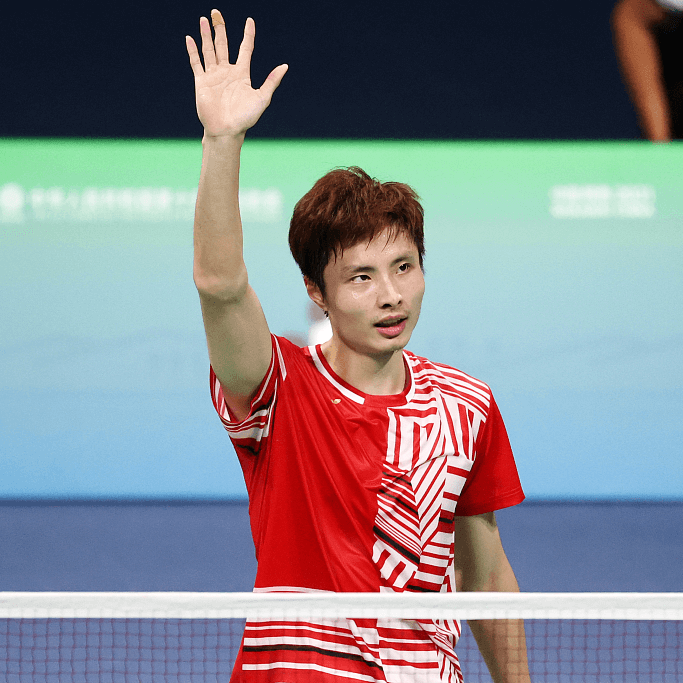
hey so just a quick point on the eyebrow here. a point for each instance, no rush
(367, 269)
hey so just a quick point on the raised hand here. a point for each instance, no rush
(226, 102)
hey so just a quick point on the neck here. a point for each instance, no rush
(375, 375)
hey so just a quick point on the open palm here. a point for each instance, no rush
(226, 102)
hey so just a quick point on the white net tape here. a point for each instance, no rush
(195, 637)
(188, 605)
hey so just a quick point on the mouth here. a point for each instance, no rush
(391, 327)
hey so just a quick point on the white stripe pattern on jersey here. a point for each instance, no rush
(430, 451)
(256, 426)
(429, 454)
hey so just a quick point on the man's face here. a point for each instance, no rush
(373, 294)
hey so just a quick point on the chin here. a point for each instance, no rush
(397, 343)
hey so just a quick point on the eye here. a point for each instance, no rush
(404, 267)
(361, 277)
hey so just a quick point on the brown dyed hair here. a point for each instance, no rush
(345, 207)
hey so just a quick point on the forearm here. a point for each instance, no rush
(641, 68)
(502, 642)
(219, 269)
(237, 333)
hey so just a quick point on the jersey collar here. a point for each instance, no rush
(350, 392)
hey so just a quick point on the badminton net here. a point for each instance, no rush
(195, 637)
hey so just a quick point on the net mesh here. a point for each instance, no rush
(188, 638)
(126, 650)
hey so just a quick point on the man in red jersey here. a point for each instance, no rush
(368, 468)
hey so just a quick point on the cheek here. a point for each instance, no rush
(419, 290)
(353, 309)
(359, 295)
(353, 299)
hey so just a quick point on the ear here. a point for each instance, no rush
(315, 294)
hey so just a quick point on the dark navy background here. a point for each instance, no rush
(444, 70)
(102, 546)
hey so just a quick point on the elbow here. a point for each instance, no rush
(496, 576)
(225, 287)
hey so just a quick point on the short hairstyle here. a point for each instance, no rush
(345, 207)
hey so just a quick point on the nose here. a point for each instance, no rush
(389, 295)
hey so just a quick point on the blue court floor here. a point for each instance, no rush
(164, 546)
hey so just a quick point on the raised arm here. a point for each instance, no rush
(633, 24)
(236, 330)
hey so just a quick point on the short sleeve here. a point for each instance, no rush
(493, 482)
(249, 434)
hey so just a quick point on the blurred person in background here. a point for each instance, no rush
(648, 39)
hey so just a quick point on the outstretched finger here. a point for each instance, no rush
(273, 81)
(192, 51)
(221, 37)
(247, 44)
(207, 43)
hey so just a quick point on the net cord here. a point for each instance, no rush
(327, 605)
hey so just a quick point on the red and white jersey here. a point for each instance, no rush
(355, 492)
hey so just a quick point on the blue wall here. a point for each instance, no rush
(553, 273)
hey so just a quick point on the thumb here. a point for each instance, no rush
(273, 81)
